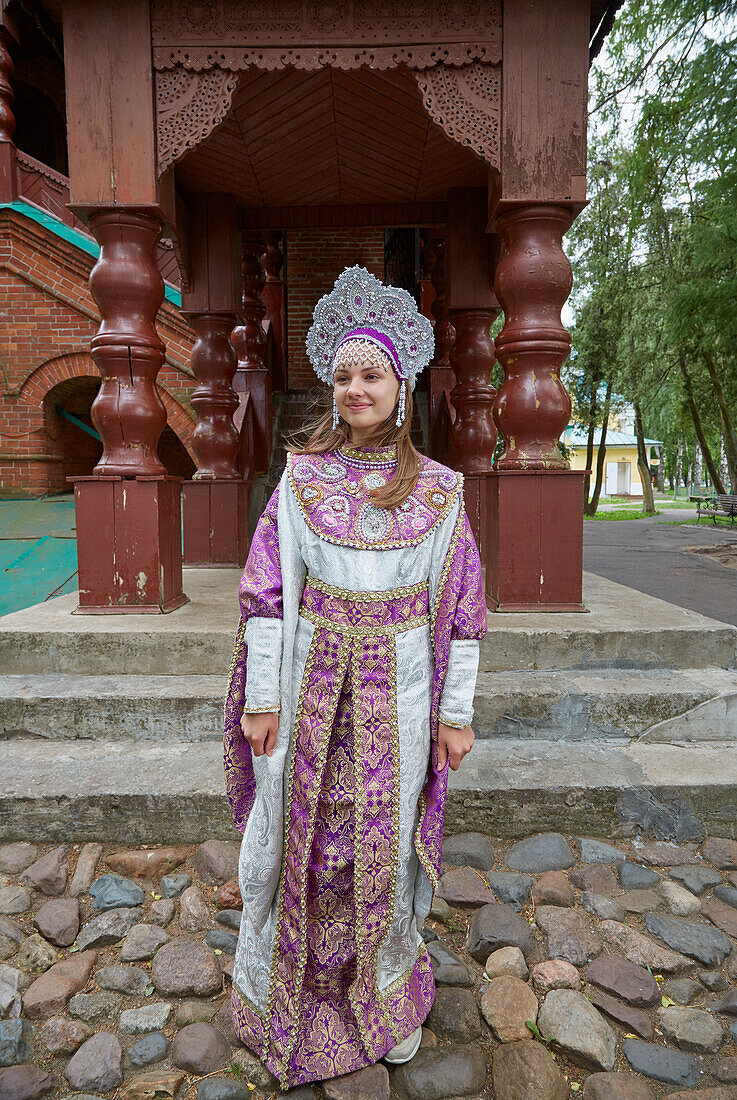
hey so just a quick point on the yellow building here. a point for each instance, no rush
(621, 474)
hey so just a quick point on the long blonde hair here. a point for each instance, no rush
(318, 437)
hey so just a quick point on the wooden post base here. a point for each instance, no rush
(534, 540)
(129, 545)
(215, 522)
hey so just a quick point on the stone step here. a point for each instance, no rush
(623, 629)
(174, 793)
(654, 704)
(663, 705)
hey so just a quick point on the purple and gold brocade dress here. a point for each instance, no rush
(361, 626)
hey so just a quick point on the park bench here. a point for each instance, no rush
(721, 506)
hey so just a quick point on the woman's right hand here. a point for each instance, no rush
(260, 731)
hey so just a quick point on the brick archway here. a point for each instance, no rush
(80, 364)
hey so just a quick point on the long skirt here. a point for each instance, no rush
(349, 974)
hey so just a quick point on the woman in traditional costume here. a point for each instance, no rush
(351, 690)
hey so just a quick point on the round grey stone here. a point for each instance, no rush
(123, 979)
(49, 873)
(36, 955)
(510, 887)
(230, 918)
(180, 969)
(455, 1015)
(171, 886)
(498, 925)
(691, 1028)
(439, 1074)
(633, 876)
(542, 852)
(109, 927)
(96, 1065)
(596, 851)
(568, 934)
(150, 1017)
(15, 857)
(695, 879)
(468, 850)
(602, 907)
(661, 1063)
(713, 980)
(200, 1048)
(223, 1088)
(58, 921)
(570, 1020)
(115, 892)
(24, 1082)
(617, 1086)
(151, 1048)
(14, 900)
(683, 990)
(727, 894)
(142, 942)
(219, 939)
(94, 1007)
(448, 967)
(162, 912)
(707, 945)
(16, 1042)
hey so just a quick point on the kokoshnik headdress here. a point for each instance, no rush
(383, 322)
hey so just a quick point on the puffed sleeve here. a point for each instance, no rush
(469, 627)
(260, 594)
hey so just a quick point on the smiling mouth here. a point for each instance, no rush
(363, 406)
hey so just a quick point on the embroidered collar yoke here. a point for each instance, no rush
(332, 492)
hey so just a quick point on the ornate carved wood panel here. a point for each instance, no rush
(453, 48)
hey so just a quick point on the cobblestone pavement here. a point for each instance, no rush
(565, 966)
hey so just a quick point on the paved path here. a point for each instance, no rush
(651, 556)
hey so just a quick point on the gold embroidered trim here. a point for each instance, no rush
(386, 454)
(249, 1003)
(421, 956)
(375, 631)
(420, 847)
(262, 710)
(453, 725)
(360, 729)
(386, 594)
(282, 1064)
(233, 662)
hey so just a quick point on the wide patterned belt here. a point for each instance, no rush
(359, 614)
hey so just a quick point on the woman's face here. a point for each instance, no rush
(366, 394)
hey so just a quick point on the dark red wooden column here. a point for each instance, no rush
(472, 309)
(8, 181)
(215, 501)
(127, 513)
(535, 518)
(536, 501)
(253, 375)
(441, 379)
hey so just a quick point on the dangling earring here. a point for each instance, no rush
(402, 402)
(335, 414)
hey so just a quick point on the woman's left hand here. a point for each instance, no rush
(453, 744)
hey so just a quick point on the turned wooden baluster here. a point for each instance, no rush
(214, 362)
(533, 280)
(7, 120)
(472, 359)
(128, 289)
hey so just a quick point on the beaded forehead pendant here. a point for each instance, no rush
(382, 321)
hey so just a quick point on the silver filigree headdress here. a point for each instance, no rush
(361, 308)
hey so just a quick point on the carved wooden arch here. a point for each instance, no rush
(454, 47)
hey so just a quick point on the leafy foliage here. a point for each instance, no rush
(655, 252)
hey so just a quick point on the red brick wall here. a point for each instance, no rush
(47, 319)
(315, 258)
